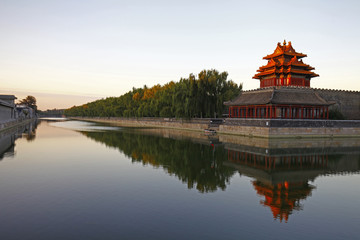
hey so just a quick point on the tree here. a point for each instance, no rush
(29, 101)
(201, 96)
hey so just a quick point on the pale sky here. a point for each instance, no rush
(68, 53)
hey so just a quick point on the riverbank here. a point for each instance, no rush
(10, 124)
(196, 124)
(264, 128)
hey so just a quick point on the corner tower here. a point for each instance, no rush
(285, 68)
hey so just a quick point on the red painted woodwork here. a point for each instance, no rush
(286, 111)
(285, 68)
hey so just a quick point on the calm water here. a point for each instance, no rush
(77, 180)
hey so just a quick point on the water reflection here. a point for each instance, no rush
(197, 164)
(9, 136)
(281, 169)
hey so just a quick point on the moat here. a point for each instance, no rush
(79, 180)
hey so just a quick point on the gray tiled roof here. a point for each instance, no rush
(282, 95)
(7, 97)
(6, 104)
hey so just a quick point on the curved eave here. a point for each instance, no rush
(303, 72)
(267, 66)
(299, 64)
(298, 55)
(258, 75)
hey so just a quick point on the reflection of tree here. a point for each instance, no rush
(197, 165)
(283, 198)
(30, 131)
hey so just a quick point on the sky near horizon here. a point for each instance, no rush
(69, 53)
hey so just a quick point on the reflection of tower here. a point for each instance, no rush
(281, 177)
(279, 162)
(283, 198)
(282, 172)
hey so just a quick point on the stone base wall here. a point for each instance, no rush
(245, 130)
(274, 128)
(10, 124)
(314, 132)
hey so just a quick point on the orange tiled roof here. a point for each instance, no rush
(285, 49)
(281, 62)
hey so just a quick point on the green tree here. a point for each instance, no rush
(29, 101)
(190, 97)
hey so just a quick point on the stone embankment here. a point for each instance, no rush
(291, 128)
(13, 123)
(196, 124)
(266, 128)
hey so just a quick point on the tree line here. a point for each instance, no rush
(196, 96)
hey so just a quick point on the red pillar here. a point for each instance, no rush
(297, 112)
(266, 112)
(312, 113)
(265, 162)
(289, 110)
(327, 112)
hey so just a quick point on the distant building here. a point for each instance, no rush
(24, 111)
(7, 108)
(285, 91)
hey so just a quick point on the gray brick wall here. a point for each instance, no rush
(348, 102)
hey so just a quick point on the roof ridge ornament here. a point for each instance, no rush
(284, 42)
